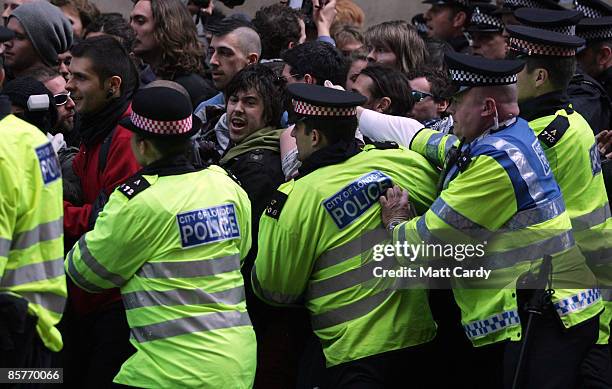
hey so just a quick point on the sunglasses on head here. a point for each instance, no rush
(61, 98)
(420, 96)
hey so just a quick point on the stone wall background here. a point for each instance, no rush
(376, 10)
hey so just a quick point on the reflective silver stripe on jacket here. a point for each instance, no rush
(351, 248)
(348, 279)
(492, 324)
(522, 164)
(190, 269)
(189, 325)
(432, 145)
(458, 221)
(50, 301)
(5, 246)
(97, 267)
(531, 252)
(275, 297)
(536, 215)
(33, 272)
(148, 298)
(350, 311)
(77, 277)
(591, 219)
(577, 302)
(42, 232)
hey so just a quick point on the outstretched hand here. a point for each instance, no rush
(323, 14)
(604, 143)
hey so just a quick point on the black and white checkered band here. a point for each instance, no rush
(307, 109)
(565, 30)
(465, 77)
(531, 48)
(478, 17)
(174, 127)
(599, 34)
(522, 4)
(589, 12)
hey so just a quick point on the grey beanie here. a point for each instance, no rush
(47, 27)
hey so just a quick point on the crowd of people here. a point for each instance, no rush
(194, 199)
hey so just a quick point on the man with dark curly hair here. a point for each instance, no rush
(279, 28)
(166, 41)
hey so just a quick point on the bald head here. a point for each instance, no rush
(232, 50)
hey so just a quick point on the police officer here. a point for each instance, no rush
(32, 279)
(498, 186)
(586, 95)
(317, 236)
(570, 147)
(172, 238)
(446, 20)
(596, 58)
(486, 32)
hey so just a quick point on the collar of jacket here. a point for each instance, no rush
(544, 105)
(330, 155)
(170, 166)
(94, 127)
(264, 138)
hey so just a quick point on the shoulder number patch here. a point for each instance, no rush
(49, 163)
(133, 186)
(276, 204)
(208, 225)
(554, 131)
(353, 200)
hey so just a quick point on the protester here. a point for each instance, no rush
(81, 14)
(396, 44)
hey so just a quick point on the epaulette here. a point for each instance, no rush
(134, 185)
(387, 145)
(276, 204)
(554, 131)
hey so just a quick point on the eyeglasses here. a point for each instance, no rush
(61, 98)
(296, 76)
(420, 96)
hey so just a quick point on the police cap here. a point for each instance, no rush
(563, 21)
(161, 112)
(324, 103)
(594, 8)
(485, 19)
(511, 5)
(474, 71)
(537, 42)
(595, 29)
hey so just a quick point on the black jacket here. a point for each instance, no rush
(590, 100)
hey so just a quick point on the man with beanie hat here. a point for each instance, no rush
(41, 33)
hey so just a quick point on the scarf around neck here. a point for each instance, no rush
(94, 127)
(265, 138)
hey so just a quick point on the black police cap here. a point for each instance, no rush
(594, 8)
(161, 112)
(485, 18)
(595, 29)
(318, 101)
(562, 21)
(510, 5)
(538, 42)
(473, 71)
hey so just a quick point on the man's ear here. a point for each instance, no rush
(252, 58)
(308, 79)
(459, 19)
(383, 104)
(489, 107)
(541, 77)
(113, 86)
(291, 45)
(316, 138)
(604, 56)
